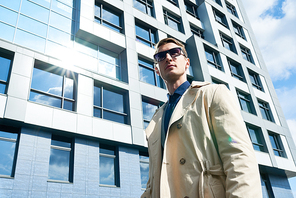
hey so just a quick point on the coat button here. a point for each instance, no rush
(182, 161)
(179, 126)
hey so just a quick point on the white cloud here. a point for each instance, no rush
(292, 127)
(275, 36)
(287, 97)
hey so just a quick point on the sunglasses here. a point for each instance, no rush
(174, 52)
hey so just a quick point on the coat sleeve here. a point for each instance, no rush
(234, 146)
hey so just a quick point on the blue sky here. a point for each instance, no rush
(273, 23)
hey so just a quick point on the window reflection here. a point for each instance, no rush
(109, 63)
(144, 169)
(7, 151)
(32, 26)
(108, 166)
(113, 105)
(59, 162)
(61, 8)
(53, 86)
(8, 16)
(29, 40)
(5, 64)
(6, 32)
(33, 10)
(14, 5)
(60, 22)
(148, 111)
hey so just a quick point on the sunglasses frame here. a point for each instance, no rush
(168, 51)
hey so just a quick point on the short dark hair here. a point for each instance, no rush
(170, 40)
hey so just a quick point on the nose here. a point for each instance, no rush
(168, 56)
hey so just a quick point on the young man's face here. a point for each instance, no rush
(172, 69)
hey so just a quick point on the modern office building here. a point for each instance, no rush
(77, 89)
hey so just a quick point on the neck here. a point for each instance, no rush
(172, 86)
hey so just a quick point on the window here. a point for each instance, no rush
(172, 21)
(255, 80)
(246, 53)
(238, 30)
(265, 111)
(196, 31)
(213, 59)
(231, 9)
(149, 108)
(175, 2)
(145, 6)
(245, 102)
(61, 159)
(218, 2)
(144, 168)
(191, 9)
(236, 70)
(256, 138)
(110, 104)
(276, 144)
(145, 35)
(220, 18)
(227, 42)
(148, 74)
(266, 186)
(109, 64)
(5, 67)
(108, 17)
(8, 150)
(109, 165)
(53, 86)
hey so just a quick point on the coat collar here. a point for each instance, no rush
(188, 98)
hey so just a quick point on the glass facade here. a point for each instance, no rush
(109, 105)
(145, 35)
(5, 67)
(8, 149)
(108, 166)
(53, 86)
(145, 6)
(61, 162)
(144, 169)
(245, 102)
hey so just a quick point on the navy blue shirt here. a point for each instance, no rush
(172, 102)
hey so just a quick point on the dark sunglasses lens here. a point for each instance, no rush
(160, 56)
(175, 52)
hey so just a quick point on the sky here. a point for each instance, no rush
(274, 25)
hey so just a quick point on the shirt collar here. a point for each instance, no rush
(179, 91)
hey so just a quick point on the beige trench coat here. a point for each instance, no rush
(190, 165)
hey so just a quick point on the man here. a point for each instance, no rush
(197, 141)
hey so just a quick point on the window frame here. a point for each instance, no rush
(231, 9)
(240, 32)
(193, 7)
(103, 87)
(196, 31)
(169, 16)
(215, 55)
(153, 102)
(13, 130)
(257, 82)
(259, 137)
(161, 83)
(148, 6)
(240, 74)
(278, 143)
(110, 9)
(145, 154)
(229, 41)
(247, 52)
(246, 97)
(8, 56)
(220, 15)
(71, 156)
(264, 106)
(150, 31)
(116, 163)
(52, 69)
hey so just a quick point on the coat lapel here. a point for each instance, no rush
(187, 99)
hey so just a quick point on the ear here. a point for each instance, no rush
(187, 64)
(156, 70)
